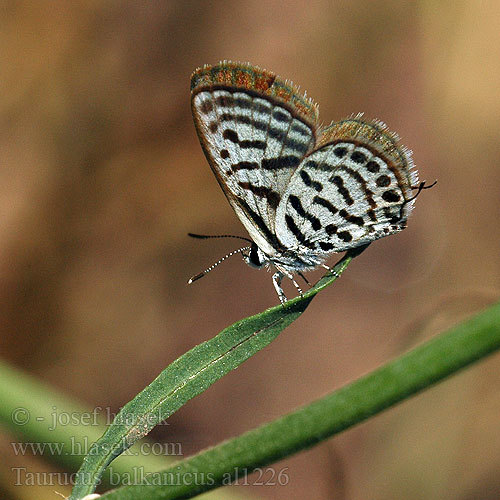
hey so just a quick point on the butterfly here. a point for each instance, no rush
(302, 191)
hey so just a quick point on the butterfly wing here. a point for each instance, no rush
(255, 130)
(353, 188)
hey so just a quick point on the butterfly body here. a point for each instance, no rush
(302, 191)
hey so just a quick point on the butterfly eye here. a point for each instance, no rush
(255, 258)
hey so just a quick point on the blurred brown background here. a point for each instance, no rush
(102, 176)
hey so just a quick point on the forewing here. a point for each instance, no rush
(255, 130)
(354, 188)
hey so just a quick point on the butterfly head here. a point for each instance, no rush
(256, 257)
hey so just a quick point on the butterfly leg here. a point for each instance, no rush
(296, 284)
(277, 277)
(305, 279)
(331, 270)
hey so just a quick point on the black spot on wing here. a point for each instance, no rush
(297, 232)
(246, 120)
(324, 245)
(358, 157)
(272, 197)
(383, 181)
(354, 219)
(331, 229)
(345, 236)
(340, 152)
(256, 144)
(206, 106)
(297, 205)
(391, 196)
(373, 167)
(306, 179)
(232, 135)
(243, 103)
(287, 161)
(224, 101)
(339, 182)
(282, 136)
(280, 116)
(326, 204)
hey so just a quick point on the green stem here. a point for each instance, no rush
(397, 380)
(33, 411)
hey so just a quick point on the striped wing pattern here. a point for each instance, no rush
(254, 141)
(301, 192)
(348, 192)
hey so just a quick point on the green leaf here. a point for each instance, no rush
(34, 412)
(190, 375)
(397, 380)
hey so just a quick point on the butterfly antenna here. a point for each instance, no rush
(420, 188)
(206, 271)
(207, 236)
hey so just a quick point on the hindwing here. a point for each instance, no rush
(355, 187)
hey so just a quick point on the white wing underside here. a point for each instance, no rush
(255, 146)
(299, 201)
